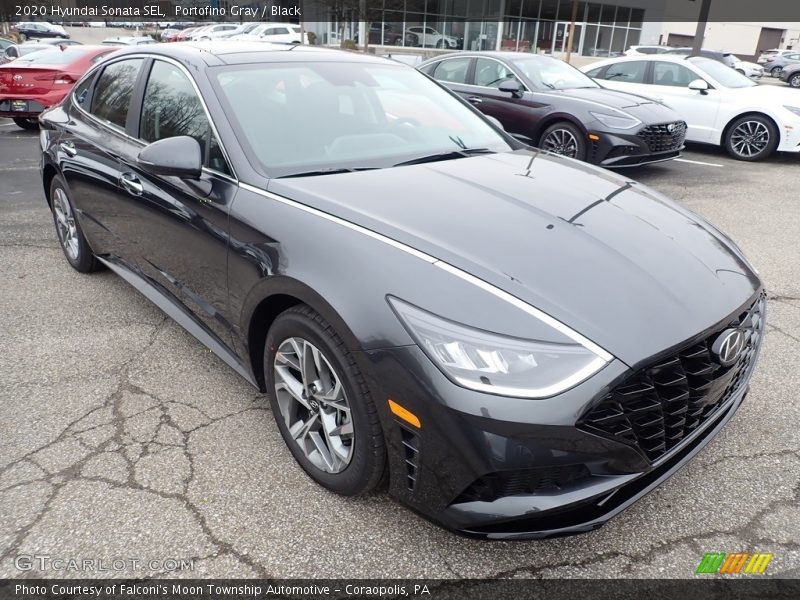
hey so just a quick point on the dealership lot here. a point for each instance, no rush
(124, 438)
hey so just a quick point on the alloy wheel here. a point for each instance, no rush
(314, 405)
(65, 224)
(561, 141)
(794, 81)
(750, 138)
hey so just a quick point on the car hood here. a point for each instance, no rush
(643, 108)
(614, 260)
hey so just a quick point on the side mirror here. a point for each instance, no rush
(177, 156)
(699, 85)
(511, 86)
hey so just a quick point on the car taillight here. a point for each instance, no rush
(63, 80)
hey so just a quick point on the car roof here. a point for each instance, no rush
(503, 55)
(677, 58)
(221, 52)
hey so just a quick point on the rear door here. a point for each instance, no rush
(178, 228)
(89, 148)
(454, 73)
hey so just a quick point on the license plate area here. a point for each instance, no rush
(19, 106)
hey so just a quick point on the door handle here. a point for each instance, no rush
(131, 183)
(68, 148)
(475, 99)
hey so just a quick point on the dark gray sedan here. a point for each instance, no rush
(549, 104)
(515, 343)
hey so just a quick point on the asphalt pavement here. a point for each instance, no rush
(123, 438)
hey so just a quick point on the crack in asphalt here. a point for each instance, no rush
(118, 443)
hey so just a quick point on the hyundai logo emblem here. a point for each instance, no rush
(728, 346)
(671, 127)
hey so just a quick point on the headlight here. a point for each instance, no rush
(793, 109)
(497, 364)
(620, 121)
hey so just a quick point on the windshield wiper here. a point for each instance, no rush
(449, 155)
(332, 171)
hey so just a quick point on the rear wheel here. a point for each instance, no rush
(76, 249)
(794, 80)
(751, 137)
(26, 123)
(321, 403)
(565, 139)
(776, 71)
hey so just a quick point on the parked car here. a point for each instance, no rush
(746, 68)
(720, 106)
(557, 108)
(39, 29)
(16, 50)
(766, 55)
(211, 32)
(31, 84)
(428, 37)
(242, 29)
(643, 50)
(129, 41)
(273, 32)
(775, 64)
(384, 34)
(520, 344)
(726, 58)
(791, 75)
(185, 34)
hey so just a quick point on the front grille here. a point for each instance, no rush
(660, 405)
(515, 483)
(660, 139)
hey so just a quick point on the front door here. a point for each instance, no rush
(179, 227)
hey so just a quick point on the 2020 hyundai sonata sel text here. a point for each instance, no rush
(519, 343)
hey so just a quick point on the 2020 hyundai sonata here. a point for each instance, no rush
(520, 344)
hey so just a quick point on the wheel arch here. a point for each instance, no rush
(546, 122)
(265, 305)
(48, 174)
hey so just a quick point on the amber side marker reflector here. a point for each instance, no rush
(404, 414)
(594, 138)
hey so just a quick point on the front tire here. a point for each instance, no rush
(27, 123)
(751, 138)
(794, 80)
(322, 405)
(76, 249)
(565, 139)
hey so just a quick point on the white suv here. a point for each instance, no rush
(273, 32)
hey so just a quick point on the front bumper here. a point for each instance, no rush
(505, 468)
(614, 149)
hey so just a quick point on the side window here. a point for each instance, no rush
(491, 73)
(629, 72)
(171, 108)
(112, 94)
(672, 74)
(594, 72)
(453, 70)
(81, 92)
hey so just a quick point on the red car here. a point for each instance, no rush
(32, 83)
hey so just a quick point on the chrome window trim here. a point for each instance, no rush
(233, 177)
(602, 354)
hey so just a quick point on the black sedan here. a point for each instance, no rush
(552, 105)
(516, 343)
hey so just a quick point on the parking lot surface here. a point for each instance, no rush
(122, 437)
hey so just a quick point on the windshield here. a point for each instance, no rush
(723, 74)
(311, 117)
(552, 74)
